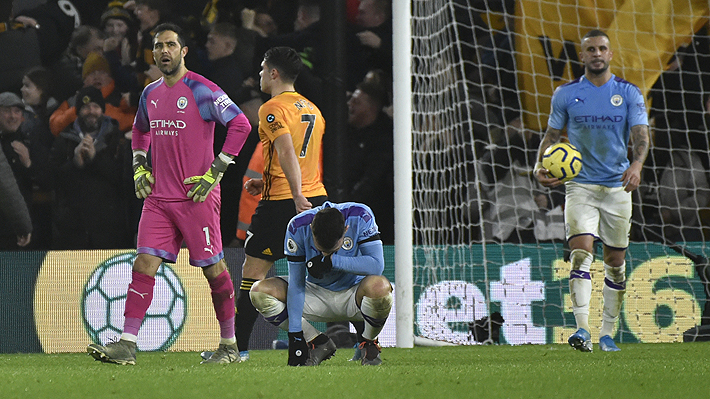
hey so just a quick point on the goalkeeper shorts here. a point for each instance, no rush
(164, 225)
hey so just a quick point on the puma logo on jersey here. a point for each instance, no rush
(267, 251)
(209, 250)
(155, 102)
(138, 293)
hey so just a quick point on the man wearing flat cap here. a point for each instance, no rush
(15, 178)
(14, 142)
(88, 160)
(26, 154)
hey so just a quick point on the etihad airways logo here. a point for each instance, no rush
(165, 124)
(598, 118)
(161, 127)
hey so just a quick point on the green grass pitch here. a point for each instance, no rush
(678, 370)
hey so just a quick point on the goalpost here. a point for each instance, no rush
(401, 88)
(475, 233)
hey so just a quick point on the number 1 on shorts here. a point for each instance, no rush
(207, 234)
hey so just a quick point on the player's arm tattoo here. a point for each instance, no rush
(551, 137)
(640, 141)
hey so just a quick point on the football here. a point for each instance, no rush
(562, 160)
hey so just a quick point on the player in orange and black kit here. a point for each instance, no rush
(291, 130)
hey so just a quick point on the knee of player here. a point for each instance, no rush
(146, 264)
(268, 286)
(376, 286)
(615, 258)
(263, 301)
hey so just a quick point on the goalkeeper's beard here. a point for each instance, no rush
(170, 70)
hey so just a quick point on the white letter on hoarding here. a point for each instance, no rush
(449, 302)
(516, 292)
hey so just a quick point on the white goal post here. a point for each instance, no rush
(401, 88)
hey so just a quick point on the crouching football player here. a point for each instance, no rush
(335, 263)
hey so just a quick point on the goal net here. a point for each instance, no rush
(487, 237)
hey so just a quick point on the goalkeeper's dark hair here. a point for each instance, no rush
(595, 33)
(172, 27)
(285, 60)
(328, 227)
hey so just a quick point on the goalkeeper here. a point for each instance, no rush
(335, 264)
(176, 119)
(601, 111)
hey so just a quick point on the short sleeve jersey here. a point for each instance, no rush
(599, 121)
(177, 123)
(299, 240)
(291, 113)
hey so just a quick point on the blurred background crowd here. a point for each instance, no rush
(72, 72)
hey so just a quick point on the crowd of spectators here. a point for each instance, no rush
(60, 51)
(69, 94)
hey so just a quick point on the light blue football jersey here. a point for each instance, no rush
(599, 121)
(360, 255)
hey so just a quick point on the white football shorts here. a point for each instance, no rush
(604, 212)
(322, 304)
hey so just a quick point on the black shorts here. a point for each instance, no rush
(267, 232)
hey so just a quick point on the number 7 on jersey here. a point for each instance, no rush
(311, 120)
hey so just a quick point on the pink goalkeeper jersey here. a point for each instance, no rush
(177, 123)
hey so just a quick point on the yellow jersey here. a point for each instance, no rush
(291, 113)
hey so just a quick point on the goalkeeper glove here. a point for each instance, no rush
(142, 175)
(319, 265)
(297, 349)
(204, 184)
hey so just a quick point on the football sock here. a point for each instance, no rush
(580, 286)
(246, 314)
(223, 302)
(375, 312)
(130, 337)
(275, 312)
(138, 299)
(359, 328)
(613, 293)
